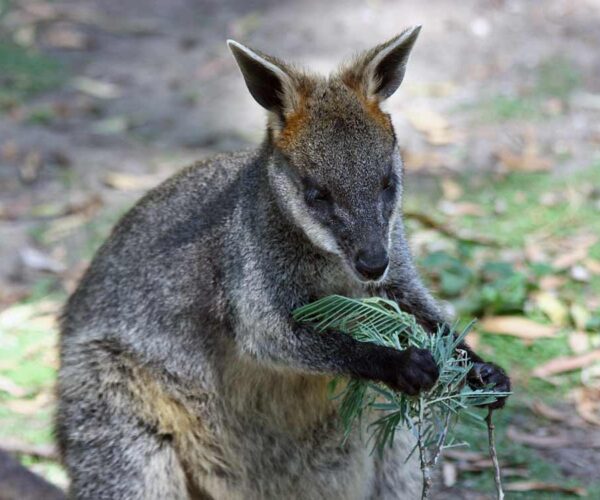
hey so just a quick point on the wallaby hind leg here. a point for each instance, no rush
(396, 477)
(115, 456)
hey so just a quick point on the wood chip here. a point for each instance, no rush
(564, 364)
(517, 326)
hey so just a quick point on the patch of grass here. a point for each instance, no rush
(515, 453)
(503, 108)
(25, 73)
(525, 214)
(557, 77)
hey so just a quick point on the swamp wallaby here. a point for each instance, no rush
(183, 374)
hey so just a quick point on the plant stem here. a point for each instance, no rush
(494, 455)
(425, 466)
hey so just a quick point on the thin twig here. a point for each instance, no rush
(493, 455)
(428, 221)
(425, 465)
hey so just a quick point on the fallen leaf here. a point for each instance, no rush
(96, 88)
(563, 364)
(524, 162)
(578, 251)
(517, 326)
(528, 159)
(578, 341)
(587, 403)
(540, 486)
(461, 208)
(580, 273)
(537, 441)
(552, 282)
(415, 160)
(552, 307)
(592, 265)
(45, 451)
(30, 406)
(469, 455)
(8, 386)
(449, 474)
(30, 168)
(581, 316)
(39, 261)
(64, 36)
(472, 340)
(432, 124)
(451, 190)
(129, 182)
(111, 125)
(543, 410)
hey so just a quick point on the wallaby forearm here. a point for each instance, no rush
(304, 349)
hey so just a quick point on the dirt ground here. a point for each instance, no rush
(147, 86)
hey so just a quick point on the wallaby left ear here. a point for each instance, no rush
(382, 68)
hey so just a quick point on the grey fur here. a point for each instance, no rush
(182, 373)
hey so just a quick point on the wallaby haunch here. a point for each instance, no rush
(182, 372)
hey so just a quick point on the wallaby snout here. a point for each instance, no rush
(372, 263)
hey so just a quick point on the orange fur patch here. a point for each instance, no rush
(374, 111)
(294, 124)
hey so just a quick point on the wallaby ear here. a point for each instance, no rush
(267, 82)
(380, 71)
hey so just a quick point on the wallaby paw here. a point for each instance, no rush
(415, 371)
(484, 375)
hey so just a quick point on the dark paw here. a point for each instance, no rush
(484, 375)
(414, 371)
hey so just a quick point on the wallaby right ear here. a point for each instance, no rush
(268, 82)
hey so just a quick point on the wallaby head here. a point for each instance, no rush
(336, 169)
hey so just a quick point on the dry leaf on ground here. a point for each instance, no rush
(419, 160)
(526, 160)
(543, 410)
(30, 406)
(451, 190)
(517, 326)
(129, 182)
(45, 451)
(96, 88)
(63, 36)
(579, 342)
(8, 386)
(461, 208)
(587, 403)
(564, 364)
(552, 307)
(431, 123)
(538, 441)
(540, 486)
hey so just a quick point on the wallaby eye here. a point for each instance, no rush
(314, 195)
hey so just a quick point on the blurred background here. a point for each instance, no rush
(498, 121)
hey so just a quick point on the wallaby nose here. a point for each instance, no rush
(372, 265)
